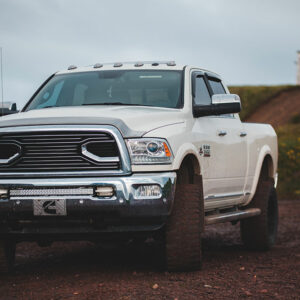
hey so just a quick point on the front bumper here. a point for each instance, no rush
(87, 214)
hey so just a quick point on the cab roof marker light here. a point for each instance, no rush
(97, 66)
(171, 64)
(72, 67)
(138, 64)
(117, 65)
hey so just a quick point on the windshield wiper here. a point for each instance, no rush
(115, 103)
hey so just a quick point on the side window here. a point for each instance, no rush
(216, 86)
(202, 96)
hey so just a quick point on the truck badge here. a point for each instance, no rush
(204, 150)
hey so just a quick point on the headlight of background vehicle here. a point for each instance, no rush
(149, 151)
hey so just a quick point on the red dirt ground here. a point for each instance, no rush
(84, 271)
(278, 110)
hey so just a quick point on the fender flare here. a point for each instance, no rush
(265, 150)
(185, 150)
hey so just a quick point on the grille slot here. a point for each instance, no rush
(60, 151)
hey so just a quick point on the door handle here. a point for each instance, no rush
(222, 133)
(243, 133)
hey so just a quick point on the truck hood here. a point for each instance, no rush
(132, 121)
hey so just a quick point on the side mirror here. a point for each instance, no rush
(221, 104)
(8, 108)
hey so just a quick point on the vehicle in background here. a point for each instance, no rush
(8, 108)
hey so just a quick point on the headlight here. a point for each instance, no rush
(149, 151)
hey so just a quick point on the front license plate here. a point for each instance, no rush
(54, 208)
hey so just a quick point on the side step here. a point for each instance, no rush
(232, 216)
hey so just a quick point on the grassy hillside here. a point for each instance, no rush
(253, 96)
(289, 161)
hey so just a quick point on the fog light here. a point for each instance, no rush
(3, 193)
(104, 191)
(148, 192)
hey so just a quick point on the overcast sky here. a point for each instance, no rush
(247, 42)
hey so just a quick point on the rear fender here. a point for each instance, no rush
(265, 151)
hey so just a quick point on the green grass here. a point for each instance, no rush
(289, 161)
(254, 96)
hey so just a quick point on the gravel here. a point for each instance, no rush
(81, 270)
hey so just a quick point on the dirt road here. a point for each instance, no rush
(83, 271)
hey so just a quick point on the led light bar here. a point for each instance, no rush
(51, 192)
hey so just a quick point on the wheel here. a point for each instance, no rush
(185, 225)
(7, 256)
(259, 233)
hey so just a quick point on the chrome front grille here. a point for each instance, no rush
(59, 152)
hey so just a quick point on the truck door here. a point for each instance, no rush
(222, 146)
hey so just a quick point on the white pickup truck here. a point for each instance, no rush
(135, 151)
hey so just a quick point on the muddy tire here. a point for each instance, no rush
(7, 256)
(259, 233)
(184, 227)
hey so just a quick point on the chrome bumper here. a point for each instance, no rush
(123, 205)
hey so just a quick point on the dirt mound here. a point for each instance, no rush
(84, 271)
(278, 110)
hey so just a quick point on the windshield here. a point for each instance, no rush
(117, 87)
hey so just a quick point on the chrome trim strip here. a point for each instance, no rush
(124, 155)
(8, 160)
(222, 196)
(92, 156)
(72, 197)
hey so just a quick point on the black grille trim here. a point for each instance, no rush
(58, 151)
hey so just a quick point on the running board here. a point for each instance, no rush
(232, 216)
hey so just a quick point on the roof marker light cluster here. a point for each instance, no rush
(171, 64)
(97, 66)
(138, 64)
(72, 67)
